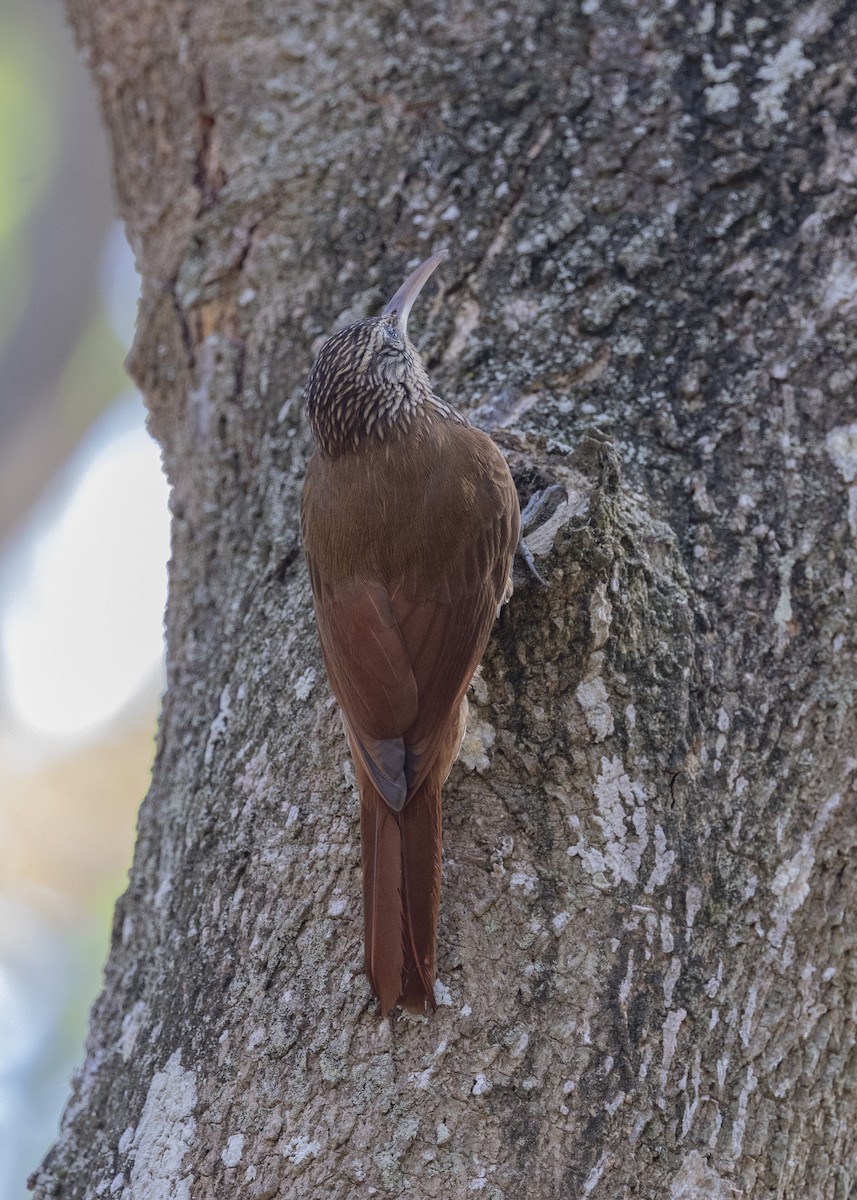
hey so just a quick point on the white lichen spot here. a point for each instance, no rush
(705, 24)
(783, 611)
(560, 921)
(442, 995)
(778, 74)
(852, 510)
(813, 21)
(301, 1148)
(697, 1180)
(164, 888)
(481, 1086)
(132, 1022)
(479, 738)
(841, 444)
(664, 860)
(840, 286)
(716, 1126)
(523, 881)
(164, 1135)
(304, 686)
(720, 97)
(714, 74)
(254, 779)
(791, 883)
(595, 1174)
(749, 1012)
(691, 1106)
(231, 1156)
(592, 861)
(592, 697)
(468, 315)
(645, 1061)
(720, 1069)
(622, 817)
(520, 1046)
(218, 725)
(672, 1025)
(337, 906)
(739, 1125)
(600, 616)
(692, 903)
(442, 1134)
(421, 1079)
(625, 985)
(671, 979)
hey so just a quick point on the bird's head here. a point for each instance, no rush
(368, 379)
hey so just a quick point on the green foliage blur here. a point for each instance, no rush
(28, 158)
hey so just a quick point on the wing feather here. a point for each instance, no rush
(402, 647)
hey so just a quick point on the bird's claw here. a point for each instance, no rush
(527, 555)
(533, 510)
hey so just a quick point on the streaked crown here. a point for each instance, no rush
(368, 380)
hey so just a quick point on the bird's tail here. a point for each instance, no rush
(401, 892)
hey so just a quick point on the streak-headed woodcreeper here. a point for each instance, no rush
(409, 521)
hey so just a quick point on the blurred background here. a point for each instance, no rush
(83, 548)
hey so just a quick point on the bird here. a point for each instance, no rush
(409, 522)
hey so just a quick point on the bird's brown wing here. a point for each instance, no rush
(370, 673)
(445, 637)
(401, 653)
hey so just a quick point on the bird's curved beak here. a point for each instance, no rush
(401, 304)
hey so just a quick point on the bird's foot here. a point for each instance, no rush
(538, 502)
(527, 555)
(533, 510)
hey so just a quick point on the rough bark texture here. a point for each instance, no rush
(648, 970)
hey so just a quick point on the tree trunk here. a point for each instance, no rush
(647, 967)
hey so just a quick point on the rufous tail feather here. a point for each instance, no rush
(401, 893)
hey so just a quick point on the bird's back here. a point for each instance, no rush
(413, 513)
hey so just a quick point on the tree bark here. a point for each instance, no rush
(646, 961)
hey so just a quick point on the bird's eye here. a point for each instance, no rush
(393, 342)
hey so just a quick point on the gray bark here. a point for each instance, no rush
(647, 964)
